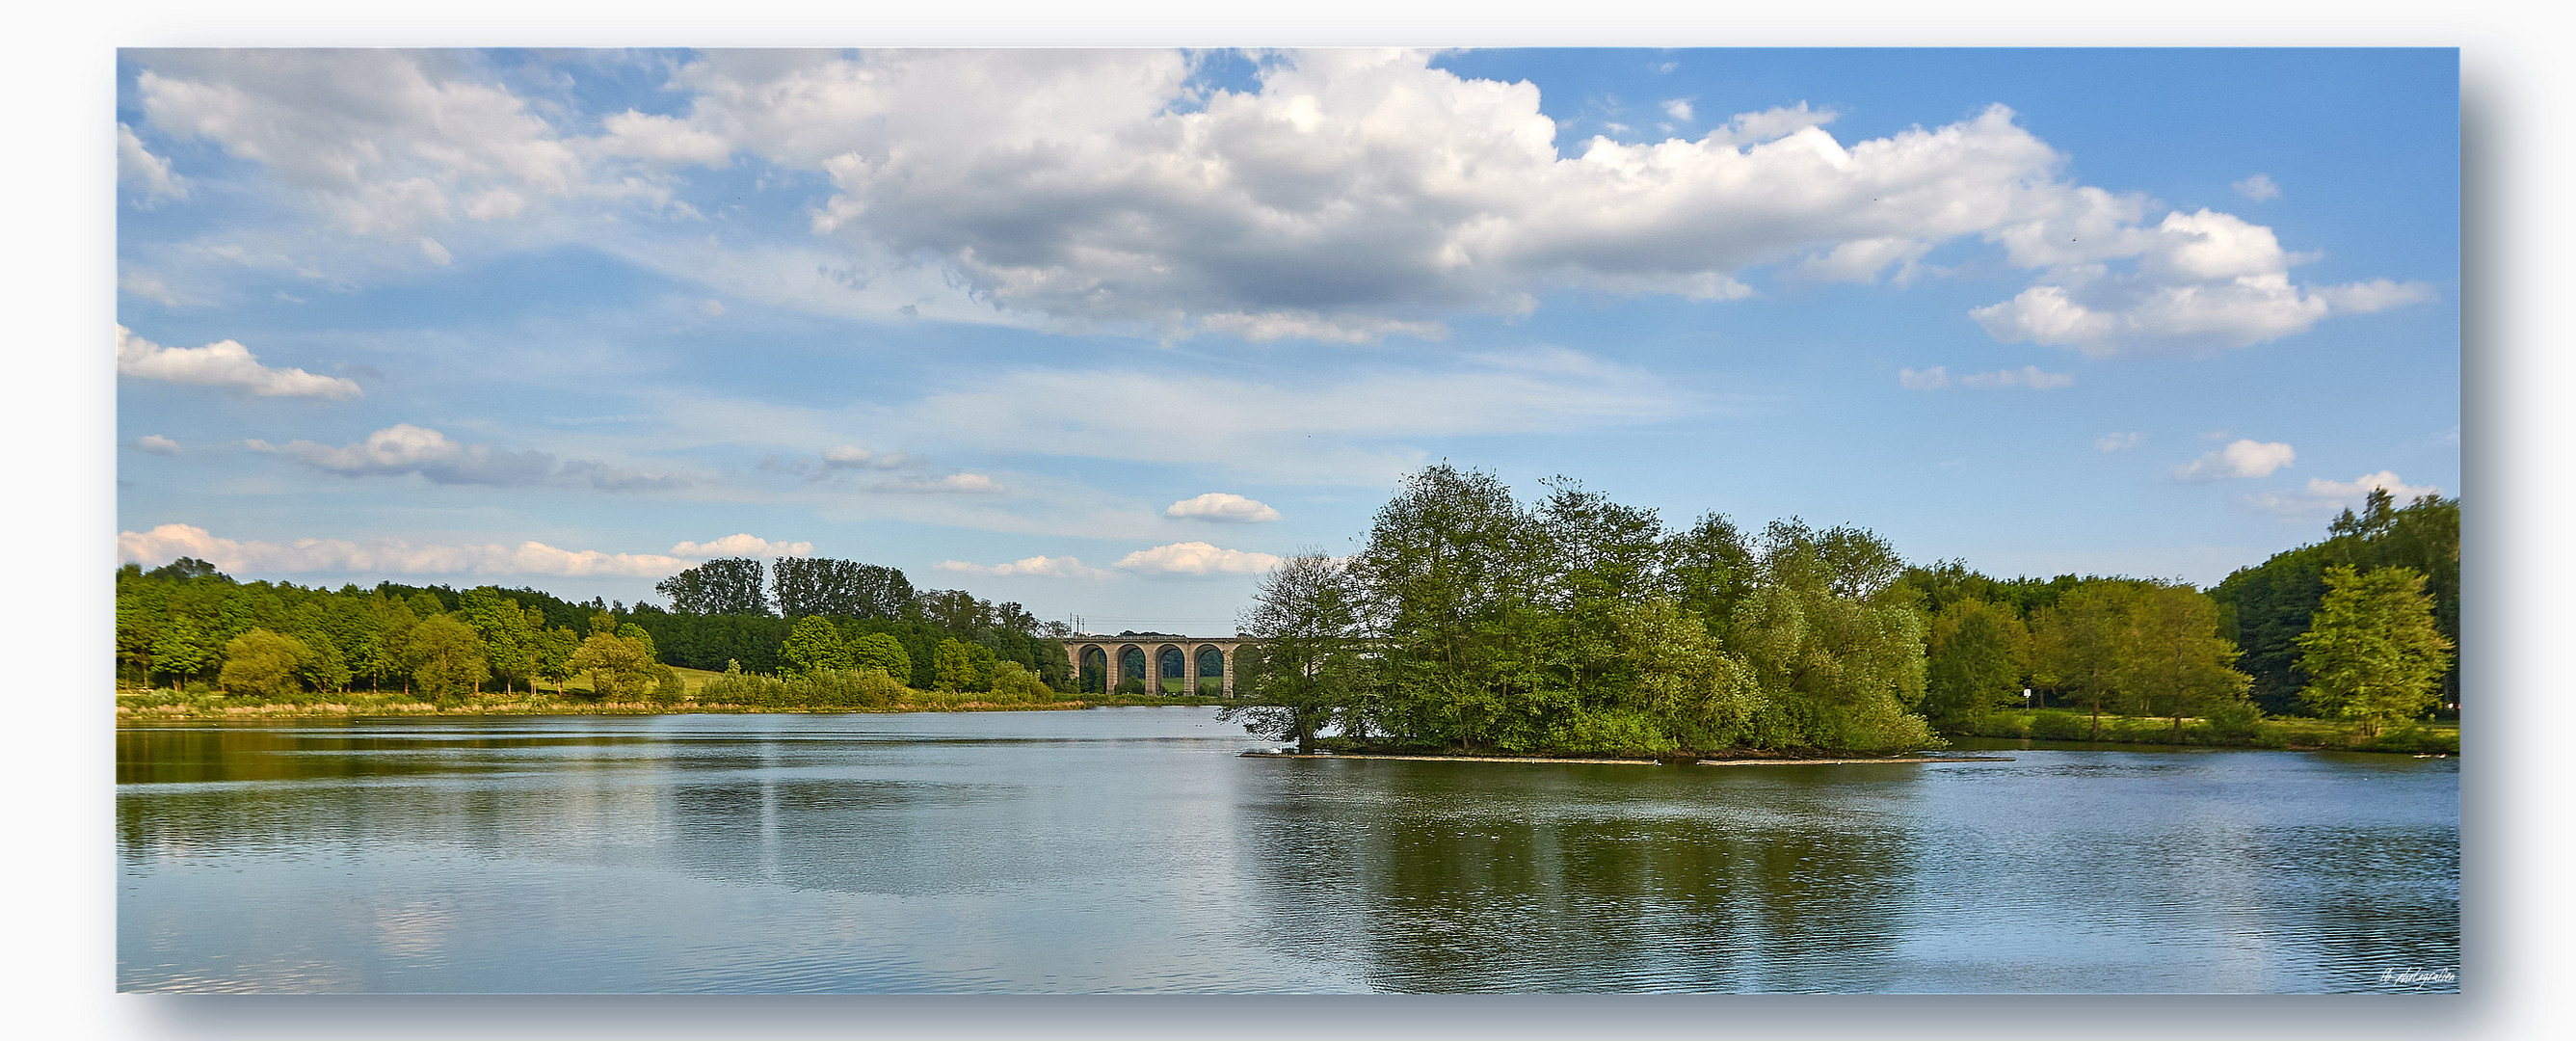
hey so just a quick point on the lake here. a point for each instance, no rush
(1134, 850)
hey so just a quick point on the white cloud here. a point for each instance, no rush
(2243, 457)
(2117, 441)
(1222, 506)
(2200, 281)
(147, 173)
(157, 444)
(406, 449)
(2258, 188)
(1260, 429)
(2324, 497)
(2026, 376)
(953, 484)
(742, 544)
(383, 556)
(224, 363)
(1044, 567)
(840, 457)
(1197, 558)
(1346, 195)
(1937, 377)
(384, 143)
(712, 308)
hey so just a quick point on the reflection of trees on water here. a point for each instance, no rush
(1570, 878)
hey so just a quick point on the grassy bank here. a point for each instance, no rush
(701, 691)
(2296, 734)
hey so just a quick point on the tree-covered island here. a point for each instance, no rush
(1468, 621)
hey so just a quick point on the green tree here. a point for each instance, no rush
(263, 664)
(617, 665)
(1305, 669)
(883, 652)
(727, 586)
(1978, 655)
(509, 644)
(2373, 651)
(814, 646)
(1698, 695)
(552, 661)
(449, 657)
(952, 667)
(2173, 660)
(2078, 645)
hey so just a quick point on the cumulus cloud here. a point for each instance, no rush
(406, 449)
(2030, 376)
(743, 544)
(157, 444)
(2324, 497)
(2258, 188)
(2243, 457)
(2201, 280)
(1342, 195)
(2117, 441)
(1043, 567)
(1223, 506)
(1197, 558)
(383, 556)
(383, 143)
(224, 363)
(138, 168)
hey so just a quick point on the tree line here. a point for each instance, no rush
(187, 624)
(1472, 620)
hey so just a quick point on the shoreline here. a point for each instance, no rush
(126, 714)
(1693, 760)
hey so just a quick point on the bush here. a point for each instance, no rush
(1131, 687)
(1610, 731)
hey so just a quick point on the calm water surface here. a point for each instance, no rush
(1132, 850)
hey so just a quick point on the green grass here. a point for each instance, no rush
(743, 694)
(2286, 732)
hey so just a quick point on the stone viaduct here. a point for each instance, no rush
(1153, 658)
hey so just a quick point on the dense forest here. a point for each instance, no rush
(1471, 620)
(185, 623)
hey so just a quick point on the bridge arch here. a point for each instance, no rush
(1202, 666)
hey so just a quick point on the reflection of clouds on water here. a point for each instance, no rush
(1131, 850)
(413, 930)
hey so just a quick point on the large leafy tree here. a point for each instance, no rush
(882, 651)
(1979, 653)
(617, 665)
(263, 664)
(2078, 646)
(730, 585)
(1305, 668)
(449, 656)
(815, 646)
(2173, 658)
(2374, 651)
(846, 588)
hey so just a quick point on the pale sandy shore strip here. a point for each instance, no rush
(1845, 762)
(1626, 762)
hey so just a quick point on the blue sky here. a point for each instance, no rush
(1105, 332)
